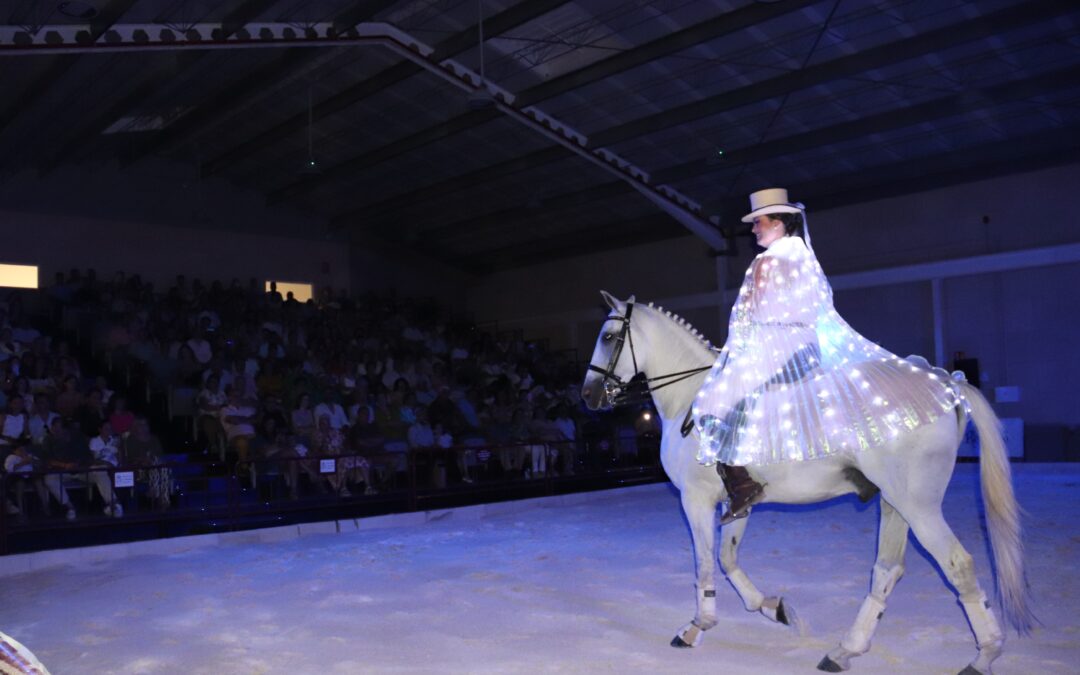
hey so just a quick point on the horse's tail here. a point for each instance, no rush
(1002, 512)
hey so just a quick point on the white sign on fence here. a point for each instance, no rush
(327, 465)
(122, 479)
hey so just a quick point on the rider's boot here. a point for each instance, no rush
(743, 491)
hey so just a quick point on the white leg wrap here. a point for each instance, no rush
(858, 637)
(751, 596)
(706, 602)
(983, 622)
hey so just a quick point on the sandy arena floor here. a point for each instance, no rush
(597, 587)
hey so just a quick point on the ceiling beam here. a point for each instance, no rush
(936, 109)
(477, 226)
(920, 114)
(1028, 153)
(458, 43)
(969, 30)
(230, 24)
(355, 165)
(61, 65)
(901, 50)
(240, 91)
(626, 232)
(452, 185)
(725, 24)
(1015, 155)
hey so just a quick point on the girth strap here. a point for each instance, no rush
(688, 422)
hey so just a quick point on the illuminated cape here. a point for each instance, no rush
(795, 382)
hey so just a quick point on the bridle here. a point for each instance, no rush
(620, 392)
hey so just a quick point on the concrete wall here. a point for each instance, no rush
(160, 252)
(157, 219)
(561, 300)
(376, 266)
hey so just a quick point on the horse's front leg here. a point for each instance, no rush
(701, 514)
(753, 599)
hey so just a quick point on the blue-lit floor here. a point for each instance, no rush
(599, 586)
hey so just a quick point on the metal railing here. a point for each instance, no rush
(259, 491)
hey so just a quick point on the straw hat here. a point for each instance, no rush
(772, 200)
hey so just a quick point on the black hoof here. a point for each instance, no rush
(970, 671)
(781, 615)
(677, 641)
(829, 666)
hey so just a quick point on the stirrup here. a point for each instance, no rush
(730, 516)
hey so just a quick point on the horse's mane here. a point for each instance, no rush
(682, 323)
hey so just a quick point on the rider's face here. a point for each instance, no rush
(767, 230)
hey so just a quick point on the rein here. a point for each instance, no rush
(623, 392)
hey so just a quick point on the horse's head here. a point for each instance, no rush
(613, 361)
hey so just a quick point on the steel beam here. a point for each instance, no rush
(62, 64)
(460, 42)
(197, 37)
(230, 25)
(1011, 18)
(915, 115)
(1028, 153)
(241, 90)
(725, 24)
(777, 86)
(625, 232)
(498, 219)
(451, 185)
(1014, 155)
(921, 113)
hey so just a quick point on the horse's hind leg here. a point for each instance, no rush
(888, 568)
(701, 514)
(940, 541)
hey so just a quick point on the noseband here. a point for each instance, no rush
(620, 392)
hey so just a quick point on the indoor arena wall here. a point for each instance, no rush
(1019, 323)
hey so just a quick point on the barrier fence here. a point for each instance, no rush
(254, 492)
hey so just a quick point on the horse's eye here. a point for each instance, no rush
(608, 337)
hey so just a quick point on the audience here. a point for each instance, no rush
(143, 449)
(367, 379)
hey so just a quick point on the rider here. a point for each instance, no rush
(794, 381)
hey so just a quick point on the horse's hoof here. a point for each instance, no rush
(781, 614)
(970, 670)
(829, 666)
(688, 636)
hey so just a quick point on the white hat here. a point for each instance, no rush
(773, 200)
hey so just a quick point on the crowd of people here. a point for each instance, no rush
(278, 382)
(55, 417)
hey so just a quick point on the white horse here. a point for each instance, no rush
(912, 473)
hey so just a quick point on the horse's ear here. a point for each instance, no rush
(631, 300)
(611, 301)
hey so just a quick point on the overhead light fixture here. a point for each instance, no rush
(77, 10)
(714, 158)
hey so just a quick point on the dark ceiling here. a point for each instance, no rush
(838, 100)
